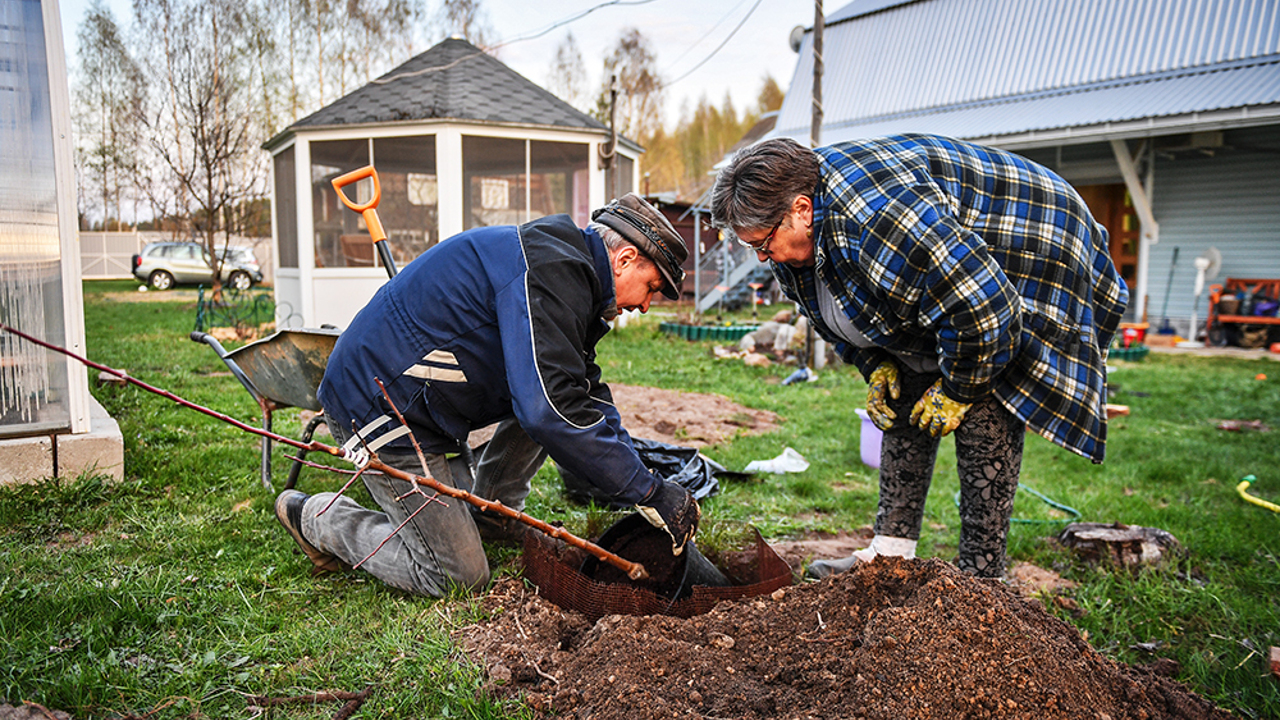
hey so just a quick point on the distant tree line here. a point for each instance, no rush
(676, 159)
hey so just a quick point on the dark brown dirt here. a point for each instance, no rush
(651, 549)
(890, 640)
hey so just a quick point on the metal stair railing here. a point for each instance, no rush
(736, 265)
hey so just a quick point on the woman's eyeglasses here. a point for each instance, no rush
(762, 248)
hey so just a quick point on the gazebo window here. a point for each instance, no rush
(558, 180)
(287, 208)
(617, 179)
(409, 208)
(493, 174)
(341, 238)
(510, 181)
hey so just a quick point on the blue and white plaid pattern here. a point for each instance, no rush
(980, 258)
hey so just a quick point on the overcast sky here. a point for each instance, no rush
(683, 34)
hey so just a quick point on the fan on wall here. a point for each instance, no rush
(1207, 266)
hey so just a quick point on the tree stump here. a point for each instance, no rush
(1124, 545)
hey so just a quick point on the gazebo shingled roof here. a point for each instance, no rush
(453, 80)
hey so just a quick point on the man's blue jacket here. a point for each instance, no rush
(491, 323)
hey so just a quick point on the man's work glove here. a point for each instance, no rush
(884, 384)
(671, 508)
(936, 413)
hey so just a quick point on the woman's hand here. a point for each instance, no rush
(883, 385)
(937, 414)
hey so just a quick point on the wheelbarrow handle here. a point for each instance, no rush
(207, 339)
(368, 210)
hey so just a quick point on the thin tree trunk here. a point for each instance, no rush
(293, 71)
(319, 54)
(215, 178)
(173, 103)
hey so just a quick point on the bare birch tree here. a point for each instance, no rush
(567, 78)
(213, 158)
(108, 96)
(466, 19)
(640, 96)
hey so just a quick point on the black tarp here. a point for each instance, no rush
(683, 465)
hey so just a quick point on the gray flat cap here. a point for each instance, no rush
(643, 226)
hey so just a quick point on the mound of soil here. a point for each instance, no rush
(686, 418)
(891, 639)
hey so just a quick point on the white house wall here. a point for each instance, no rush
(288, 296)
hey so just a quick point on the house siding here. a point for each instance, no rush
(1230, 201)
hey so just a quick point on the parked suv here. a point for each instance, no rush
(163, 264)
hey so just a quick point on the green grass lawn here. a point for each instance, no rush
(176, 592)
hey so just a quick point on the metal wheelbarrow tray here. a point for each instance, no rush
(281, 370)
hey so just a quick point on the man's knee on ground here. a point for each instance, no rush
(462, 575)
(475, 580)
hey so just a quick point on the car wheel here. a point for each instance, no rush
(161, 280)
(240, 280)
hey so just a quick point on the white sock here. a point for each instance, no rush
(887, 545)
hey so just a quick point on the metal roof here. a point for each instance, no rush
(453, 80)
(858, 8)
(990, 68)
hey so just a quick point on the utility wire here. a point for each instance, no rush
(707, 34)
(540, 33)
(579, 16)
(718, 47)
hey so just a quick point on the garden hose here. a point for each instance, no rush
(1243, 489)
(1074, 513)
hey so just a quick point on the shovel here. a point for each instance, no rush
(369, 211)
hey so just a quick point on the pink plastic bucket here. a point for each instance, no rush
(869, 442)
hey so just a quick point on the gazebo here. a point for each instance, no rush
(459, 140)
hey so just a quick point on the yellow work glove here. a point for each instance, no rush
(936, 413)
(884, 384)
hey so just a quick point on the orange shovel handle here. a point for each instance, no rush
(356, 176)
(368, 210)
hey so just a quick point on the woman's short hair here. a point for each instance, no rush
(756, 189)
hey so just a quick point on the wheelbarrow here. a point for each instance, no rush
(284, 370)
(279, 371)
